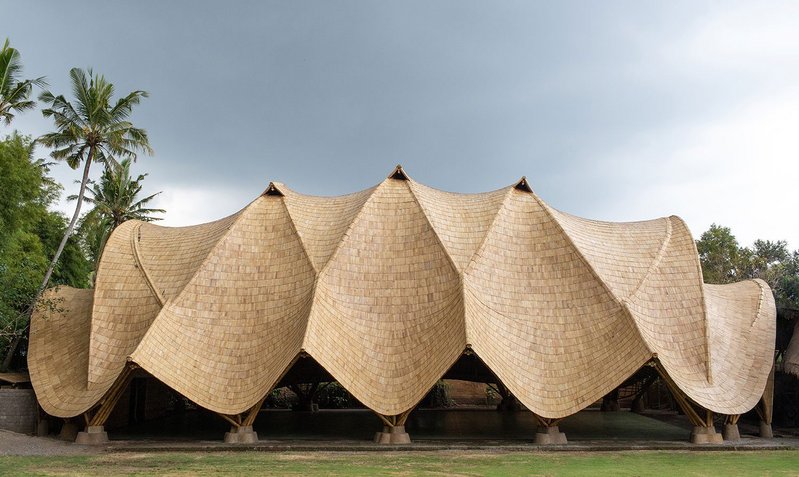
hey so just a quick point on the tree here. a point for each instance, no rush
(90, 130)
(115, 200)
(14, 93)
(719, 253)
(29, 234)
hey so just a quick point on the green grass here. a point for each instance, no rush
(660, 463)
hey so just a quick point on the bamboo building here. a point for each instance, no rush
(387, 289)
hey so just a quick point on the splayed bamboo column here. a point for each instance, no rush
(548, 433)
(241, 431)
(393, 429)
(95, 433)
(765, 408)
(704, 431)
(730, 431)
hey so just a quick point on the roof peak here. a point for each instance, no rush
(399, 174)
(273, 189)
(522, 185)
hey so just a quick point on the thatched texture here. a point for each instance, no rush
(385, 288)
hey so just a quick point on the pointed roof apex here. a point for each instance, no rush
(273, 189)
(522, 185)
(398, 174)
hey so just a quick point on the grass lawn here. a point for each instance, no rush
(660, 463)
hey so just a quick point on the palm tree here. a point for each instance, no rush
(14, 93)
(90, 130)
(115, 200)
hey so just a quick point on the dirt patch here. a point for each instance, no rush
(12, 443)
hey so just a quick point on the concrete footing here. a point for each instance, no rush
(546, 436)
(731, 433)
(392, 435)
(766, 431)
(94, 435)
(706, 435)
(241, 435)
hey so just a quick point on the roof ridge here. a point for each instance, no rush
(435, 232)
(135, 237)
(349, 229)
(658, 258)
(482, 244)
(698, 265)
(580, 254)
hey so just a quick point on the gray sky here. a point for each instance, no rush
(613, 110)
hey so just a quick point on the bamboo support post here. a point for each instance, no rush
(95, 433)
(730, 431)
(393, 429)
(704, 431)
(548, 432)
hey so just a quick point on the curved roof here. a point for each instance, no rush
(385, 288)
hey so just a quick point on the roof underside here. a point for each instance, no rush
(386, 287)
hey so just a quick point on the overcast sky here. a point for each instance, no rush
(613, 110)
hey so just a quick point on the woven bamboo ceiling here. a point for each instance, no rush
(387, 287)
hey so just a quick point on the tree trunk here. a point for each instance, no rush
(14, 344)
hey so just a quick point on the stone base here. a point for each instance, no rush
(610, 405)
(547, 436)
(392, 435)
(766, 431)
(638, 406)
(241, 435)
(705, 435)
(730, 432)
(94, 435)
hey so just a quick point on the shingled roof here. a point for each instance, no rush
(387, 287)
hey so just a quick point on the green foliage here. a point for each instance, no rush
(718, 252)
(115, 200)
(724, 261)
(92, 128)
(334, 396)
(438, 397)
(14, 92)
(29, 235)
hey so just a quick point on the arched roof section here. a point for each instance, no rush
(239, 322)
(58, 352)
(125, 304)
(541, 319)
(387, 320)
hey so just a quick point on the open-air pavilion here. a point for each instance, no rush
(389, 290)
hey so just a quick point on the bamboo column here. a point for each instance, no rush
(95, 433)
(393, 429)
(730, 431)
(548, 432)
(241, 431)
(765, 408)
(704, 430)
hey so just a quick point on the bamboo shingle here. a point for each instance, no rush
(386, 287)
